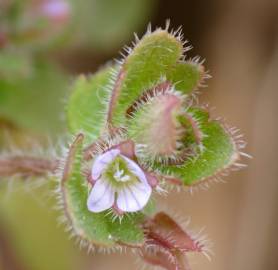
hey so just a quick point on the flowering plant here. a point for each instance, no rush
(139, 131)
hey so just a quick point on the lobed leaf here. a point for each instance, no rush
(186, 76)
(142, 69)
(218, 152)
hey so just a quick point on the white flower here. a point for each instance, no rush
(118, 182)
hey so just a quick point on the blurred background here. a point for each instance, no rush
(45, 43)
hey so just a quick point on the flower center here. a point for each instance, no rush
(121, 177)
(118, 173)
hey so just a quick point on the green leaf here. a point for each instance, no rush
(186, 76)
(14, 65)
(143, 69)
(36, 101)
(218, 152)
(86, 106)
(96, 228)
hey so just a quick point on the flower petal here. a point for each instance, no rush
(101, 197)
(102, 161)
(134, 198)
(135, 169)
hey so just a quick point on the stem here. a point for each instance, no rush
(26, 166)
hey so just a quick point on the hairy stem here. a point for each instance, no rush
(26, 166)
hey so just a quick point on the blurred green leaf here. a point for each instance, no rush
(107, 24)
(35, 102)
(14, 65)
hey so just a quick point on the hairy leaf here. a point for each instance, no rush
(186, 76)
(218, 152)
(86, 105)
(142, 69)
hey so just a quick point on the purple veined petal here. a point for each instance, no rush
(134, 198)
(102, 197)
(135, 169)
(102, 161)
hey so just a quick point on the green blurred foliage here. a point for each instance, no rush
(107, 24)
(34, 101)
(37, 240)
(14, 65)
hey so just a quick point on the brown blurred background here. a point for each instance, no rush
(239, 40)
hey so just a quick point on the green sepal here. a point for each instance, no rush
(95, 228)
